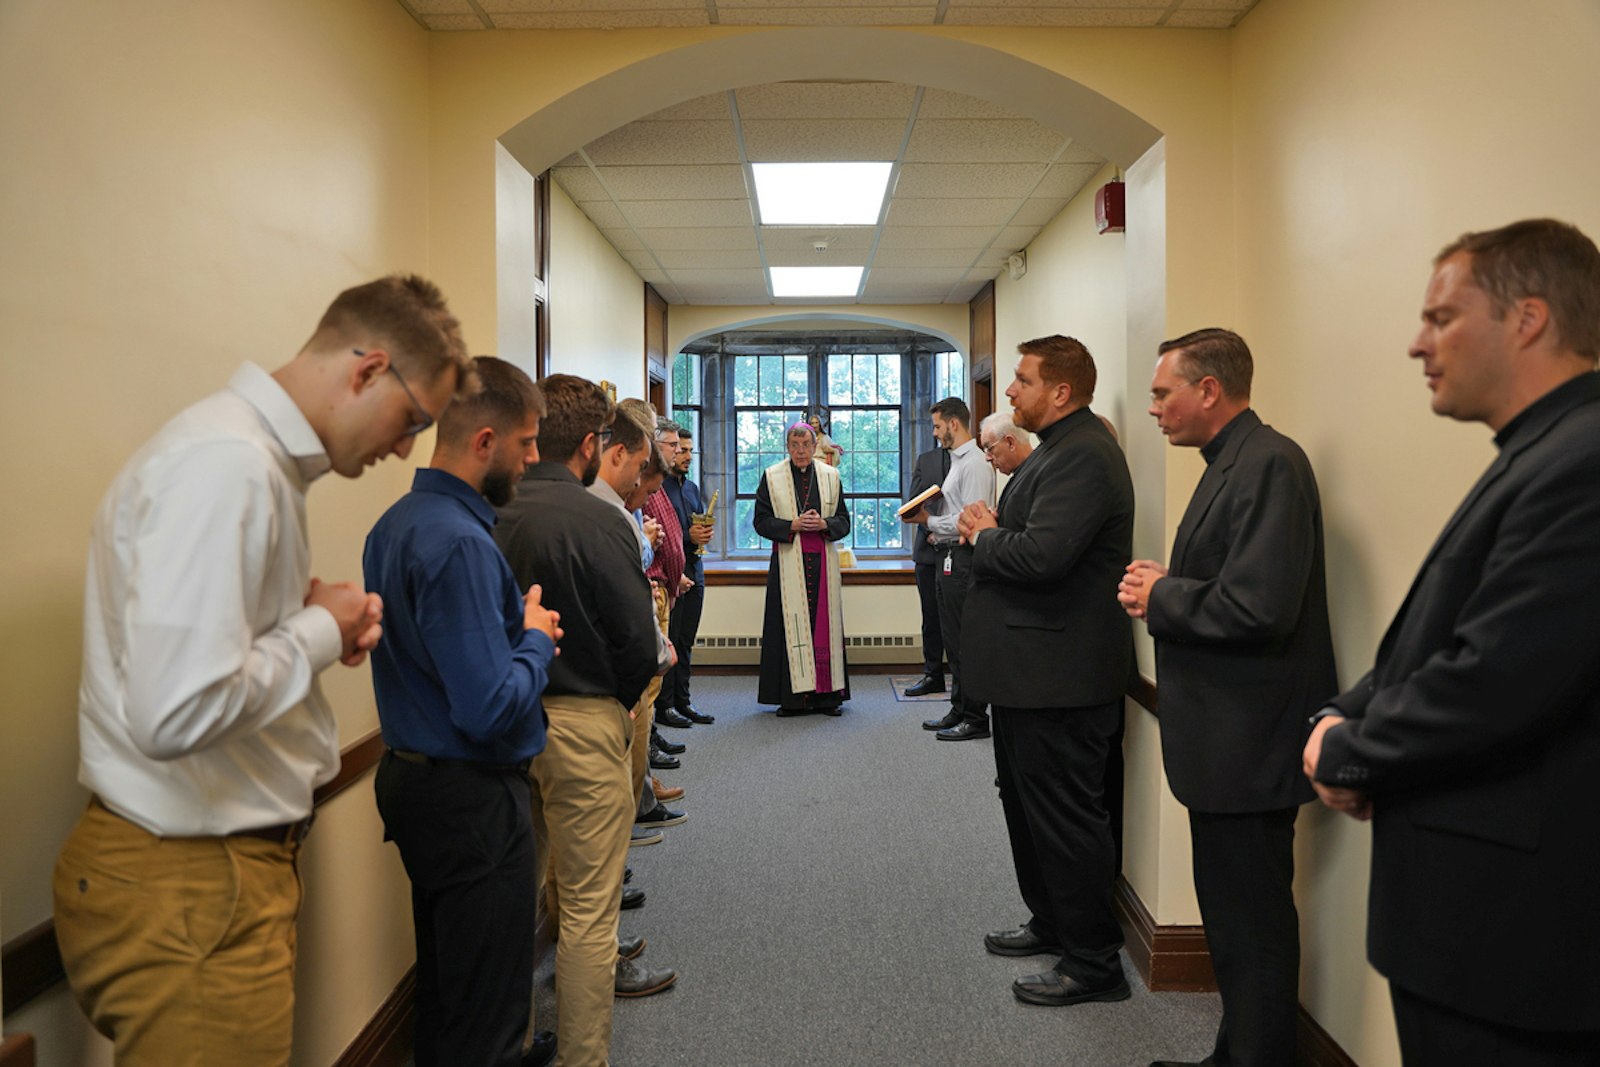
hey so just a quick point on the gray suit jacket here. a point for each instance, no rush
(1244, 654)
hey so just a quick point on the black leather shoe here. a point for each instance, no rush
(931, 683)
(695, 716)
(835, 710)
(668, 717)
(964, 731)
(543, 1050)
(671, 748)
(1058, 990)
(635, 980)
(627, 875)
(951, 718)
(632, 897)
(1019, 942)
(660, 816)
(663, 762)
(630, 947)
(789, 713)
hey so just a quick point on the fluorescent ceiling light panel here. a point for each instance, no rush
(821, 194)
(815, 281)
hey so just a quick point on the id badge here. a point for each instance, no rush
(947, 564)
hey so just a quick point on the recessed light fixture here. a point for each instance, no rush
(821, 194)
(815, 281)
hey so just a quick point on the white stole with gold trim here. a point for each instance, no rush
(792, 578)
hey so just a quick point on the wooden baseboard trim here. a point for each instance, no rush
(30, 963)
(386, 1039)
(17, 1050)
(1314, 1048)
(1169, 958)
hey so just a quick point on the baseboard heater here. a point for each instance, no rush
(863, 648)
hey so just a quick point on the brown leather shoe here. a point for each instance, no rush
(636, 980)
(665, 793)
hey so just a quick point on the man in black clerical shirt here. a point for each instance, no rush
(684, 623)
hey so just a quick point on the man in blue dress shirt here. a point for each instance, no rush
(458, 678)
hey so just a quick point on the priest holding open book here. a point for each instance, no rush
(800, 508)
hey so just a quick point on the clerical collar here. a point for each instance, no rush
(1051, 430)
(1213, 448)
(1561, 396)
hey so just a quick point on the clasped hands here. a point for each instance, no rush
(1133, 592)
(975, 517)
(809, 521)
(357, 613)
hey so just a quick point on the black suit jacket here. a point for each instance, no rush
(1042, 627)
(1244, 655)
(930, 470)
(1477, 736)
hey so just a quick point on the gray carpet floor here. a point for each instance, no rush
(826, 900)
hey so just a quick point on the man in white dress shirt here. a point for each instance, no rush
(202, 729)
(970, 481)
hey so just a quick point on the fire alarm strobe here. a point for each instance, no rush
(1110, 215)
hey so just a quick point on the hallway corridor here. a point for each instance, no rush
(825, 904)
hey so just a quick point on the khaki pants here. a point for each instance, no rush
(582, 810)
(644, 712)
(180, 949)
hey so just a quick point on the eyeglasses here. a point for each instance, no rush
(989, 448)
(422, 423)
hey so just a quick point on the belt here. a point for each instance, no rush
(288, 833)
(422, 760)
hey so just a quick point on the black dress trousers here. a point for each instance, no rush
(1244, 880)
(683, 626)
(465, 835)
(1052, 765)
(953, 588)
(932, 635)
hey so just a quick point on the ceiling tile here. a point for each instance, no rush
(1065, 179)
(927, 276)
(992, 212)
(654, 142)
(936, 236)
(821, 140)
(1015, 238)
(709, 259)
(804, 257)
(574, 160)
(603, 20)
(701, 279)
(922, 15)
(982, 141)
(963, 293)
(497, 7)
(452, 22)
(1201, 20)
(943, 104)
(696, 237)
(967, 180)
(443, 7)
(1216, 5)
(1081, 153)
(603, 213)
(1039, 211)
(965, 15)
(623, 240)
(714, 106)
(799, 238)
(668, 213)
(580, 183)
(674, 183)
(1161, 5)
(924, 257)
(826, 100)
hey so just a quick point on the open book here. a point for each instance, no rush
(917, 501)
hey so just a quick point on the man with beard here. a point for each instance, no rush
(458, 680)
(1049, 649)
(583, 553)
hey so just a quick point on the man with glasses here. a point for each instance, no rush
(203, 730)
(1004, 446)
(584, 555)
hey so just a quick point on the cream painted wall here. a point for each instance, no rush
(597, 303)
(185, 186)
(516, 253)
(1368, 134)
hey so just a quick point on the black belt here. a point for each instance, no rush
(482, 765)
(288, 833)
(953, 546)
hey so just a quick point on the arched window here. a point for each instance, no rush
(741, 391)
